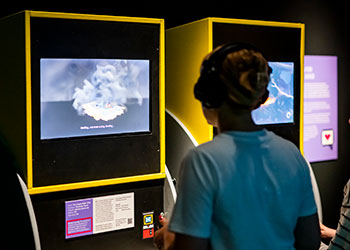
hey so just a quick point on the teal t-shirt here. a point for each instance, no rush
(243, 190)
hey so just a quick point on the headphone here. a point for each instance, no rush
(209, 89)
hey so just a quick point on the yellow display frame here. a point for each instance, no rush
(197, 37)
(104, 182)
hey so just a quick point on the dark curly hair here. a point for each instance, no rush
(249, 69)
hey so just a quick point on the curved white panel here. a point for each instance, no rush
(31, 213)
(171, 183)
(184, 128)
(316, 192)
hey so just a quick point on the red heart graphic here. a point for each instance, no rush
(327, 136)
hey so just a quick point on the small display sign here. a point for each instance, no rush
(327, 137)
(148, 225)
(100, 214)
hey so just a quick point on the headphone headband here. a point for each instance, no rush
(220, 54)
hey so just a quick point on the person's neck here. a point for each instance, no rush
(236, 119)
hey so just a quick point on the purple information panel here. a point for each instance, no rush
(99, 215)
(320, 108)
(79, 215)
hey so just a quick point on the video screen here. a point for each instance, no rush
(87, 97)
(279, 107)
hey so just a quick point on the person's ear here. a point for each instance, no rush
(211, 115)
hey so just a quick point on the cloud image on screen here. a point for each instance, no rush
(84, 97)
(279, 107)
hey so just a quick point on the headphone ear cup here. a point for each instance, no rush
(200, 89)
(263, 98)
(209, 92)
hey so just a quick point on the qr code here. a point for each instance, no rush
(129, 221)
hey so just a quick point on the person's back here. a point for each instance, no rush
(256, 181)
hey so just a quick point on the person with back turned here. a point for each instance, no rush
(340, 237)
(248, 188)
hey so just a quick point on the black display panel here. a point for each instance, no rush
(62, 157)
(278, 44)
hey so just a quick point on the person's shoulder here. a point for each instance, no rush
(220, 146)
(288, 150)
(348, 185)
(282, 142)
(211, 153)
(347, 193)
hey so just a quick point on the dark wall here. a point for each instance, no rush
(326, 34)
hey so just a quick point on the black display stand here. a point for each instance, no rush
(60, 170)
